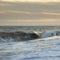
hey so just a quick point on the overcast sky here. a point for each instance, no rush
(30, 13)
(34, 0)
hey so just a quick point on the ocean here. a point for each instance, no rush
(37, 49)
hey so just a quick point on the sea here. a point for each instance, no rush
(38, 49)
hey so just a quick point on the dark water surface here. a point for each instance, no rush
(39, 49)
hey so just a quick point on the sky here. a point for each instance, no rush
(33, 0)
(21, 14)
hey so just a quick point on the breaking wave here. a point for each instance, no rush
(25, 36)
(36, 45)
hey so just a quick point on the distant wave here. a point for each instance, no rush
(18, 36)
(25, 36)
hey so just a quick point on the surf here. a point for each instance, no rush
(26, 36)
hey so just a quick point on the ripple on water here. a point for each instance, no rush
(31, 50)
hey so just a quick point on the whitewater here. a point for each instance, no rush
(47, 48)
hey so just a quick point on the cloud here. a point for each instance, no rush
(32, 0)
(29, 13)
